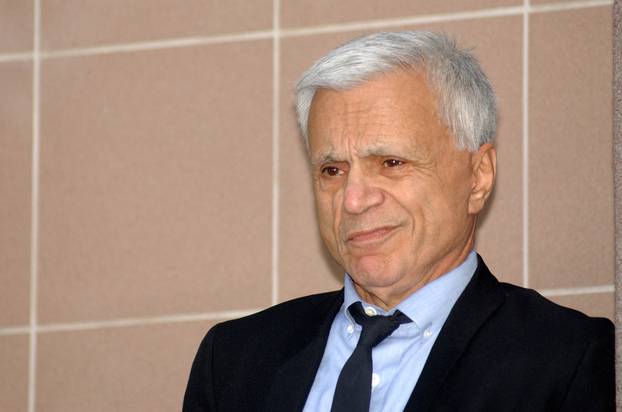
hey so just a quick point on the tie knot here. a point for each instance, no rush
(375, 328)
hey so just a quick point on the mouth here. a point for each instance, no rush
(370, 236)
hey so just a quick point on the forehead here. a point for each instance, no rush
(397, 109)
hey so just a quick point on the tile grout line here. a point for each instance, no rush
(160, 44)
(15, 330)
(126, 322)
(301, 31)
(34, 207)
(15, 57)
(525, 105)
(549, 7)
(437, 18)
(276, 78)
(402, 21)
(231, 314)
(587, 290)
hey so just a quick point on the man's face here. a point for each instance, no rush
(392, 191)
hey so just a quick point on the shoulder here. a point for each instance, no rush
(283, 322)
(253, 347)
(525, 350)
(540, 335)
(238, 359)
(566, 353)
(295, 311)
(531, 310)
(517, 314)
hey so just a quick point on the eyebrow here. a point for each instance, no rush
(328, 157)
(374, 149)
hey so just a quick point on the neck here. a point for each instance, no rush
(390, 296)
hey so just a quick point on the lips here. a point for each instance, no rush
(371, 235)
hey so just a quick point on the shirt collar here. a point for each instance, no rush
(429, 305)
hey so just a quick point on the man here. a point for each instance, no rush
(398, 128)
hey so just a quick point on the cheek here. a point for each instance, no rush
(429, 211)
(446, 214)
(418, 201)
(325, 212)
(456, 199)
(326, 216)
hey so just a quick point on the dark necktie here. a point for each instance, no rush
(353, 392)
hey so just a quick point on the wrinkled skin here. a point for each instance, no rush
(397, 202)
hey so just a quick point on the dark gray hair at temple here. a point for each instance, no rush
(466, 100)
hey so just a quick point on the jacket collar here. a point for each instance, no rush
(295, 376)
(477, 303)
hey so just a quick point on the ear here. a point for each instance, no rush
(484, 167)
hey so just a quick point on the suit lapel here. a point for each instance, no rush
(295, 376)
(478, 301)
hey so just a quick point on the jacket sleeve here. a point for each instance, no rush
(593, 385)
(199, 396)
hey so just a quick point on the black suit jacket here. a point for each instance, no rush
(502, 348)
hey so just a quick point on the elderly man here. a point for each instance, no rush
(398, 128)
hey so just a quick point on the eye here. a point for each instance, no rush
(392, 163)
(331, 171)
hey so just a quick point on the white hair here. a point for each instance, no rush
(466, 100)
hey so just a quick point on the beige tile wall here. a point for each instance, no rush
(153, 183)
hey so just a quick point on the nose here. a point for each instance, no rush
(360, 194)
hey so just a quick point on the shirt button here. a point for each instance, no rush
(369, 311)
(350, 329)
(427, 333)
(375, 380)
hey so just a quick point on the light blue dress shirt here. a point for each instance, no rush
(399, 359)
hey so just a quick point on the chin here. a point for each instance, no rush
(373, 272)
